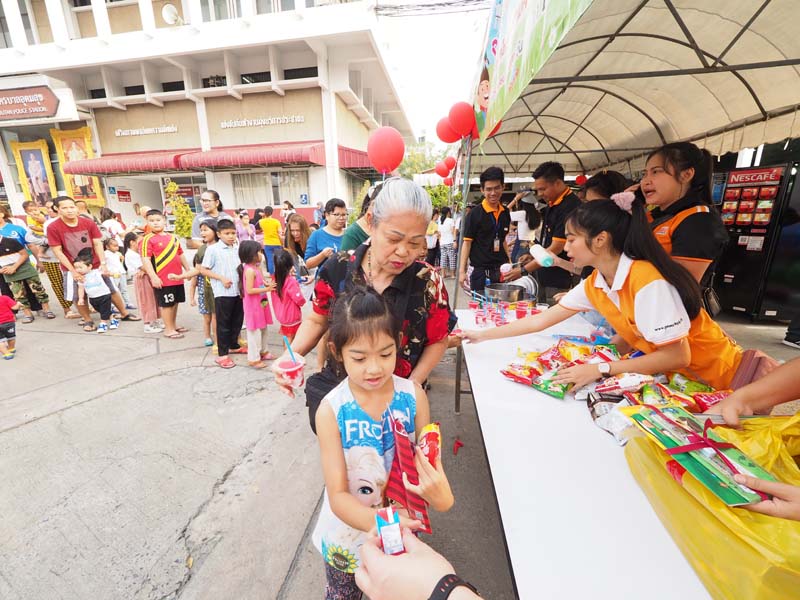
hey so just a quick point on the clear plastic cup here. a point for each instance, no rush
(293, 372)
(542, 307)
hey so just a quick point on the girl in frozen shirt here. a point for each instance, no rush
(357, 445)
(649, 299)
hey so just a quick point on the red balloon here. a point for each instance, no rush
(445, 131)
(385, 149)
(441, 169)
(450, 162)
(462, 118)
(448, 181)
(580, 180)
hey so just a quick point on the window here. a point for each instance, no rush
(253, 190)
(215, 81)
(263, 7)
(172, 86)
(262, 77)
(5, 34)
(82, 3)
(134, 90)
(301, 73)
(97, 93)
(218, 10)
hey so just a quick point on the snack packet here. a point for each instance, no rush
(572, 351)
(624, 382)
(653, 394)
(430, 442)
(633, 398)
(551, 359)
(603, 409)
(706, 400)
(524, 374)
(546, 385)
(685, 400)
(680, 382)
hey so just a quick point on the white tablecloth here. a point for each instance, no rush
(576, 523)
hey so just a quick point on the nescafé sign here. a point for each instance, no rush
(28, 103)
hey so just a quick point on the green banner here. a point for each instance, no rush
(522, 35)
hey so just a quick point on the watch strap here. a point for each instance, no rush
(447, 584)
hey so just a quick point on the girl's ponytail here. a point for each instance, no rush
(625, 219)
(640, 243)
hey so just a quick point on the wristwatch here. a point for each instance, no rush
(447, 584)
(604, 368)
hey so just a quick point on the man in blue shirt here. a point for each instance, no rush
(328, 239)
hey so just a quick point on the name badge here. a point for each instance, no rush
(496, 245)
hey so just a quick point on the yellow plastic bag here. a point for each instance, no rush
(736, 553)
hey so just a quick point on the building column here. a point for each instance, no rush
(195, 12)
(15, 198)
(146, 13)
(202, 124)
(331, 142)
(15, 25)
(101, 22)
(58, 21)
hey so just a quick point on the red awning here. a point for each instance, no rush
(350, 158)
(256, 156)
(130, 162)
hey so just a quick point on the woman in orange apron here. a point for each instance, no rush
(677, 182)
(649, 299)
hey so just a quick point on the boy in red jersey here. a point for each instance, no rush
(166, 258)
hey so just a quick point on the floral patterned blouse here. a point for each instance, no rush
(427, 317)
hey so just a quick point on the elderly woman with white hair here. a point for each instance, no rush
(388, 263)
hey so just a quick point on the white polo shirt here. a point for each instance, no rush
(659, 313)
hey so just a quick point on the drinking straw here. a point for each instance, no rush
(289, 348)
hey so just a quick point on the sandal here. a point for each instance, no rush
(225, 362)
(174, 336)
(48, 314)
(181, 329)
(268, 356)
(256, 364)
(130, 317)
(239, 350)
(89, 327)
(27, 319)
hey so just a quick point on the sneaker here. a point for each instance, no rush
(102, 328)
(8, 356)
(208, 342)
(160, 324)
(130, 307)
(152, 329)
(114, 324)
(792, 342)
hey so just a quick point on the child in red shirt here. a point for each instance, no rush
(8, 326)
(163, 256)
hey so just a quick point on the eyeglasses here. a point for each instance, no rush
(339, 215)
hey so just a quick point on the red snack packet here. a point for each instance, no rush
(525, 374)
(624, 382)
(706, 400)
(684, 400)
(633, 398)
(552, 359)
(430, 442)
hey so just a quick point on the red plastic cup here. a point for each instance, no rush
(294, 372)
(473, 305)
(522, 311)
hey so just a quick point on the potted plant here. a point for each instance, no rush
(180, 209)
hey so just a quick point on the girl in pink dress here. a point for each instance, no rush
(287, 297)
(257, 314)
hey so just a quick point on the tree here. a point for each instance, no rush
(183, 214)
(440, 195)
(420, 157)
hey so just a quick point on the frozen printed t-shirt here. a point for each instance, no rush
(368, 451)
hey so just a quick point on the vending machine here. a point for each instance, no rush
(758, 274)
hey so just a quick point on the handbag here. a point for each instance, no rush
(710, 299)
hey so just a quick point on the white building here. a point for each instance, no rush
(263, 100)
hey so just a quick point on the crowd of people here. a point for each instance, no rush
(380, 315)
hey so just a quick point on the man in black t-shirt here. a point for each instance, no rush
(485, 234)
(550, 187)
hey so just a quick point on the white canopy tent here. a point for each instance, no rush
(632, 75)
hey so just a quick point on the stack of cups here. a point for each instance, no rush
(522, 309)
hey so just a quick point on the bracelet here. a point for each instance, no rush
(447, 584)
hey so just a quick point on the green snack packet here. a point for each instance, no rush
(652, 395)
(546, 385)
(687, 386)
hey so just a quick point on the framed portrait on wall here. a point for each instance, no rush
(35, 171)
(73, 145)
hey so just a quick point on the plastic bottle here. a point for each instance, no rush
(541, 256)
